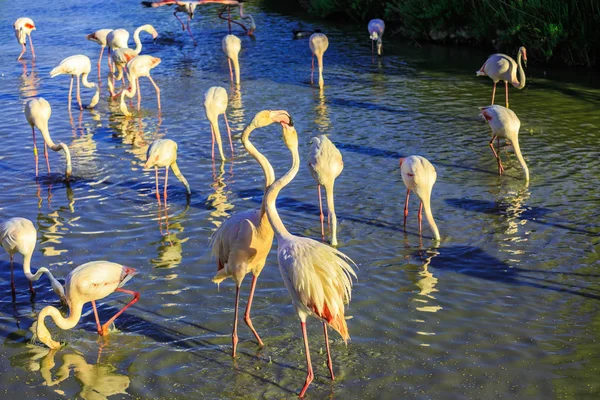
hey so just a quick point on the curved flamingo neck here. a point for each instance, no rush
(138, 42)
(521, 83)
(59, 320)
(56, 147)
(428, 214)
(262, 161)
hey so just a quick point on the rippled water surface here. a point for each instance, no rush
(506, 306)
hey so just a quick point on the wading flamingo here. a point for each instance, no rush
(121, 56)
(18, 235)
(163, 153)
(77, 66)
(215, 103)
(500, 67)
(89, 282)
(116, 39)
(187, 7)
(243, 241)
(231, 47)
(376, 28)
(325, 165)
(23, 28)
(318, 43)
(139, 66)
(504, 123)
(37, 112)
(318, 277)
(234, 3)
(419, 176)
(99, 37)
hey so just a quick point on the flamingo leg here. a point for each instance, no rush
(79, 93)
(494, 93)
(97, 319)
(165, 188)
(312, 69)
(190, 31)
(12, 277)
(139, 92)
(157, 190)
(406, 205)
(212, 132)
(500, 167)
(420, 216)
(22, 51)
(234, 336)
(136, 297)
(506, 87)
(71, 91)
(372, 52)
(329, 362)
(46, 155)
(247, 319)
(31, 289)
(309, 370)
(157, 90)
(230, 70)
(229, 133)
(100, 61)
(322, 217)
(35, 152)
(31, 45)
(180, 21)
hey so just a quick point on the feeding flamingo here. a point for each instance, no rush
(37, 112)
(243, 241)
(163, 153)
(23, 28)
(18, 235)
(504, 123)
(376, 28)
(99, 37)
(325, 164)
(231, 47)
(318, 277)
(215, 103)
(419, 176)
(234, 3)
(77, 66)
(116, 39)
(139, 66)
(318, 43)
(89, 282)
(500, 67)
(187, 7)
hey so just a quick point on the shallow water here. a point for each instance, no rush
(505, 306)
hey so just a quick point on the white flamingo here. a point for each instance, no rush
(37, 113)
(502, 67)
(99, 37)
(231, 47)
(504, 123)
(87, 283)
(376, 28)
(318, 43)
(77, 66)
(115, 39)
(139, 66)
(23, 28)
(419, 176)
(215, 103)
(163, 153)
(18, 235)
(325, 164)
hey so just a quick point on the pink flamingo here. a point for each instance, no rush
(187, 7)
(87, 283)
(318, 44)
(99, 37)
(23, 28)
(163, 153)
(502, 67)
(77, 66)
(376, 28)
(215, 103)
(232, 45)
(139, 66)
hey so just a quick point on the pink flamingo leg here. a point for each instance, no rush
(70, 91)
(247, 319)
(31, 289)
(32, 49)
(309, 370)
(165, 188)
(12, 277)
(329, 362)
(420, 215)
(230, 70)
(180, 21)
(35, 152)
(190, 31)
(506, 86)
(97, 319)
(406, 206)
(46, 155)
(312, 69)
(500, 167)
(157, 90)
(212, 132)
(229, 133)
(139, 92)
(494, 93)
(322, 217)
(234, 336)
(136, 297)
(100, 62)
(79, 94)
(157, 190)
(22, 51)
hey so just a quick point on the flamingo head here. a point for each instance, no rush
(523, 52)
(282, 117)
(252, 26)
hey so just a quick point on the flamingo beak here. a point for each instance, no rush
(401, 161)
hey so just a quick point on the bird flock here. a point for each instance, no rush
(317, 275)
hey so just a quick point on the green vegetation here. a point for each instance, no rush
(552, 30)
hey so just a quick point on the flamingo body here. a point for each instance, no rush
(23, 28)
(215, 104)
(117, 38)
(163, 153)
(376, 28)
(78, 66)
(500, 67)
(231, 47)
(138, 67)
(318, 44)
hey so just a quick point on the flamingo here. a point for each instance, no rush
(504, 123)
(187, 7)
(163, 153)
(121, 56)
(116, 39)
(99, 37)
(139, 66)
(325, 164)
(243, 241)
(318, 43)
(234, 3)
(77, 66)
(37, 112)
(89, 282)
(318, 277)
(502, 67)
(376, 28)
(215, 103)
(18, 235)
(419, 176)
(231, 47)
(23, 28)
